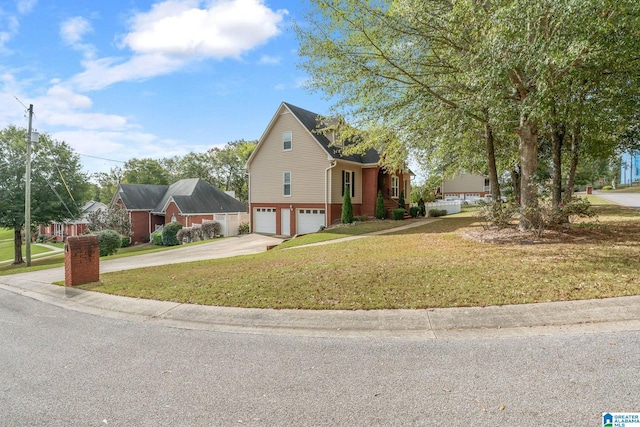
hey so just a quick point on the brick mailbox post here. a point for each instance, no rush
(81, 260)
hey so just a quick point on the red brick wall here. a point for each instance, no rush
(369, 191)
(139, 226)
(81, 260)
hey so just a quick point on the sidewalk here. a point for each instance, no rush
(605, 315)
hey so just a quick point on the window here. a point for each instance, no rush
(286, 141)
(348, 182)
(487, 185)
(287, 184)
(395, 183)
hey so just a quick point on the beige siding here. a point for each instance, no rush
(306, 161)
(466, 183)
(336, 182)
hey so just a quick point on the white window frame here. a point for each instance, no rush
(395, 187)
(347, 182)
(287, 137)
(286, 185)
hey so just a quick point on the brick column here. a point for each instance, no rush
(81, 260)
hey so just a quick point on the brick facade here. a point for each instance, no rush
(81, 260)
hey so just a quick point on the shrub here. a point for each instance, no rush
(156, 238)
(110, 241)
(607, 187)
(498, 215)
(347, 207)
(398, 214)
(243, 228)
(437, 212)
(169, 233)
(422, 208)
(210, 229)
(125, 241)
(414, 211)
(360, 218)
(381, 212)
(401, 200)
(185, 235)
(578, 207)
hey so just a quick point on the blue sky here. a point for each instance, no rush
(120, 79)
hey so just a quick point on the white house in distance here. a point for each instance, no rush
(466, 186)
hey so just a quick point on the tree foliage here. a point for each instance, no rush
(58, 186)
(511, 78)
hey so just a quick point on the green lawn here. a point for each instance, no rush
(6, 234)
(7, 250)
(433, 265)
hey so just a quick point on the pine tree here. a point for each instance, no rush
(381, 212)
(347, 208)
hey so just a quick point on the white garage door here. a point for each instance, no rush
(264, 220)
(309, 220)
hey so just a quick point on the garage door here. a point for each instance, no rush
(309, 220)
(264, 220)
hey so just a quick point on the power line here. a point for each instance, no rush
(101, 158)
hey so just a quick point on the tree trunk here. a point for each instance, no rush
(515, 184)
(17, 246)
(528, 149)
(491, 162)
(557, 139)
(575, 151)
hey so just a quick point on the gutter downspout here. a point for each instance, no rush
(327, 193)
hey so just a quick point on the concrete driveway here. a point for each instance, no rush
(631, 200)
(219, 248)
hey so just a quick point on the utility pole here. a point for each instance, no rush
(27, 190)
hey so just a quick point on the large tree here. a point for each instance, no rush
(145, 171)
(502, 69)
(58, 186)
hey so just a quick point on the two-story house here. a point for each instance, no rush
(297, 177)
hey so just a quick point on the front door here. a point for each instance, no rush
(285, 222)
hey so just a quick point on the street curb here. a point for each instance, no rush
(590, 316)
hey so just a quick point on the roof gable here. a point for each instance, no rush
(195, 196)
(311, 122)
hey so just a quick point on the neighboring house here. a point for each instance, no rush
(297, 178)
(188, 201)
(466, 186)
(77, 227)
(630, 168)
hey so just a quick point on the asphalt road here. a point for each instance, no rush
(65, 368)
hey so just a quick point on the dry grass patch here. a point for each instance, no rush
(433, 265)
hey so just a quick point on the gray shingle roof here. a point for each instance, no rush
(141, 196)
(193, 196)
(312, 122)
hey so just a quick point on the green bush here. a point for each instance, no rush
(156, 238)
(210, 229)
(381, 212)
(437, 212)
(398, 214)
(110, 241)
(607, 187)
(422, 208)
(126, 241)
(401, 200)
(169, 234)
(414, 211)
(347, 207)
(243, 228)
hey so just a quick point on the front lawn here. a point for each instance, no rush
(433, 265)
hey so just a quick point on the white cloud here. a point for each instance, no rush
(269, 60)
(11, 27)
(176, 32)
(227, 28)
(26, 6)
(73, 29)
(103, 72)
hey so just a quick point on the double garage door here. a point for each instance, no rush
(307, 220)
